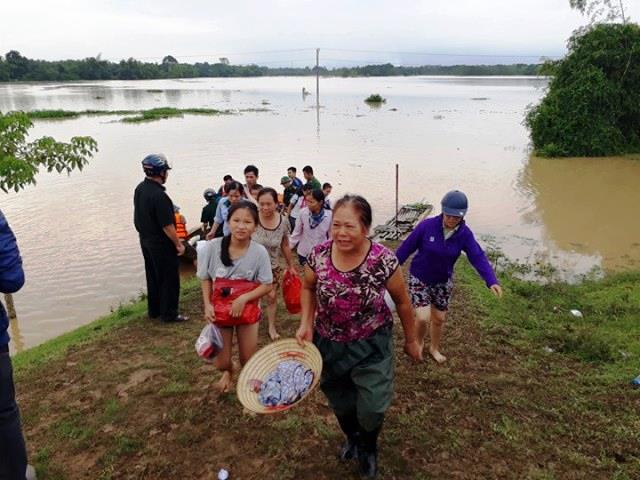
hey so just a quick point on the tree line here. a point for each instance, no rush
(16, 67)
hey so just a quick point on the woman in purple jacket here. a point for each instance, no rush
(439, 242)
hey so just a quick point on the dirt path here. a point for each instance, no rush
(138, 403)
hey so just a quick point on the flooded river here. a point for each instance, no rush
(76, 235)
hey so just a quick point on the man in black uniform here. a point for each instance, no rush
(154, 220)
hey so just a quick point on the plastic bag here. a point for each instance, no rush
(209, 343)
(291, 289)
(225, 291)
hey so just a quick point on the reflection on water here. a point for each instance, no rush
(80, 250)
(588, 206)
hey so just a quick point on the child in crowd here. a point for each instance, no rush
(226, 267)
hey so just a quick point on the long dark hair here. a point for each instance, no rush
(226, 240)
(360, 205)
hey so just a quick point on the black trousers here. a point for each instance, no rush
(161, 266)
(13, 454)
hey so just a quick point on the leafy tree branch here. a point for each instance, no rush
(21, 160)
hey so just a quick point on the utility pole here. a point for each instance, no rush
(318, 78)
(397, 184)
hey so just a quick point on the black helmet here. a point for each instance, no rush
(455, 203)
(154, 164)
(209, 194)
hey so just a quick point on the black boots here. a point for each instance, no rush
(349, 425)
(360, 445)
(368, 453)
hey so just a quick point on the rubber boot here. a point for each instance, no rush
(349, 425)
(368, 453)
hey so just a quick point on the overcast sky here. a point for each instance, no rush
(347, 31)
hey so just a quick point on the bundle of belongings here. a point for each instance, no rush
(287, 384)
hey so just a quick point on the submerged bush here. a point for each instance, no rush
(375, 98)
(592, 106)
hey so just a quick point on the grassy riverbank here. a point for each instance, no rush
(130, 116)
(128, 398)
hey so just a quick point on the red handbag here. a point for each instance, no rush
(291, 289)
(225, 291)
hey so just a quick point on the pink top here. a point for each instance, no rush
(306, 237)
(350, 305)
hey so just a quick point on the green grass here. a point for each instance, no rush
(42, 459)
(52, 114)
(607, 336)
(501, 398)
(168, 112)
(57, 347)
(72, 428)
(204, 111)
(113, 411)
(130, 116)
(109, 112)
(153, 114)
(69, 114)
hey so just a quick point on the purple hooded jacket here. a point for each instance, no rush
(436, 256)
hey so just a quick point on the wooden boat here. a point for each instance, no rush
(408, 217)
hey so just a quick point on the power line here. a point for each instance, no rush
(438, 54)
(383, 52)
(229, 54)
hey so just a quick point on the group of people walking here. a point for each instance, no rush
(346, 277)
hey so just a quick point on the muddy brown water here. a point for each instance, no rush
(80, 250)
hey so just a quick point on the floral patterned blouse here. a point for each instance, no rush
(271, 239)
(350, 305)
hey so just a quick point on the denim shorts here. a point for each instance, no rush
(436, 294)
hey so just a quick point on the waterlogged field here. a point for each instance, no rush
(80, 249)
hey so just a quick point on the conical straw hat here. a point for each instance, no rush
(265, 361)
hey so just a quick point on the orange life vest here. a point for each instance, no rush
(181, 227)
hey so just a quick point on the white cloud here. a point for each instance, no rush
(120, 29)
